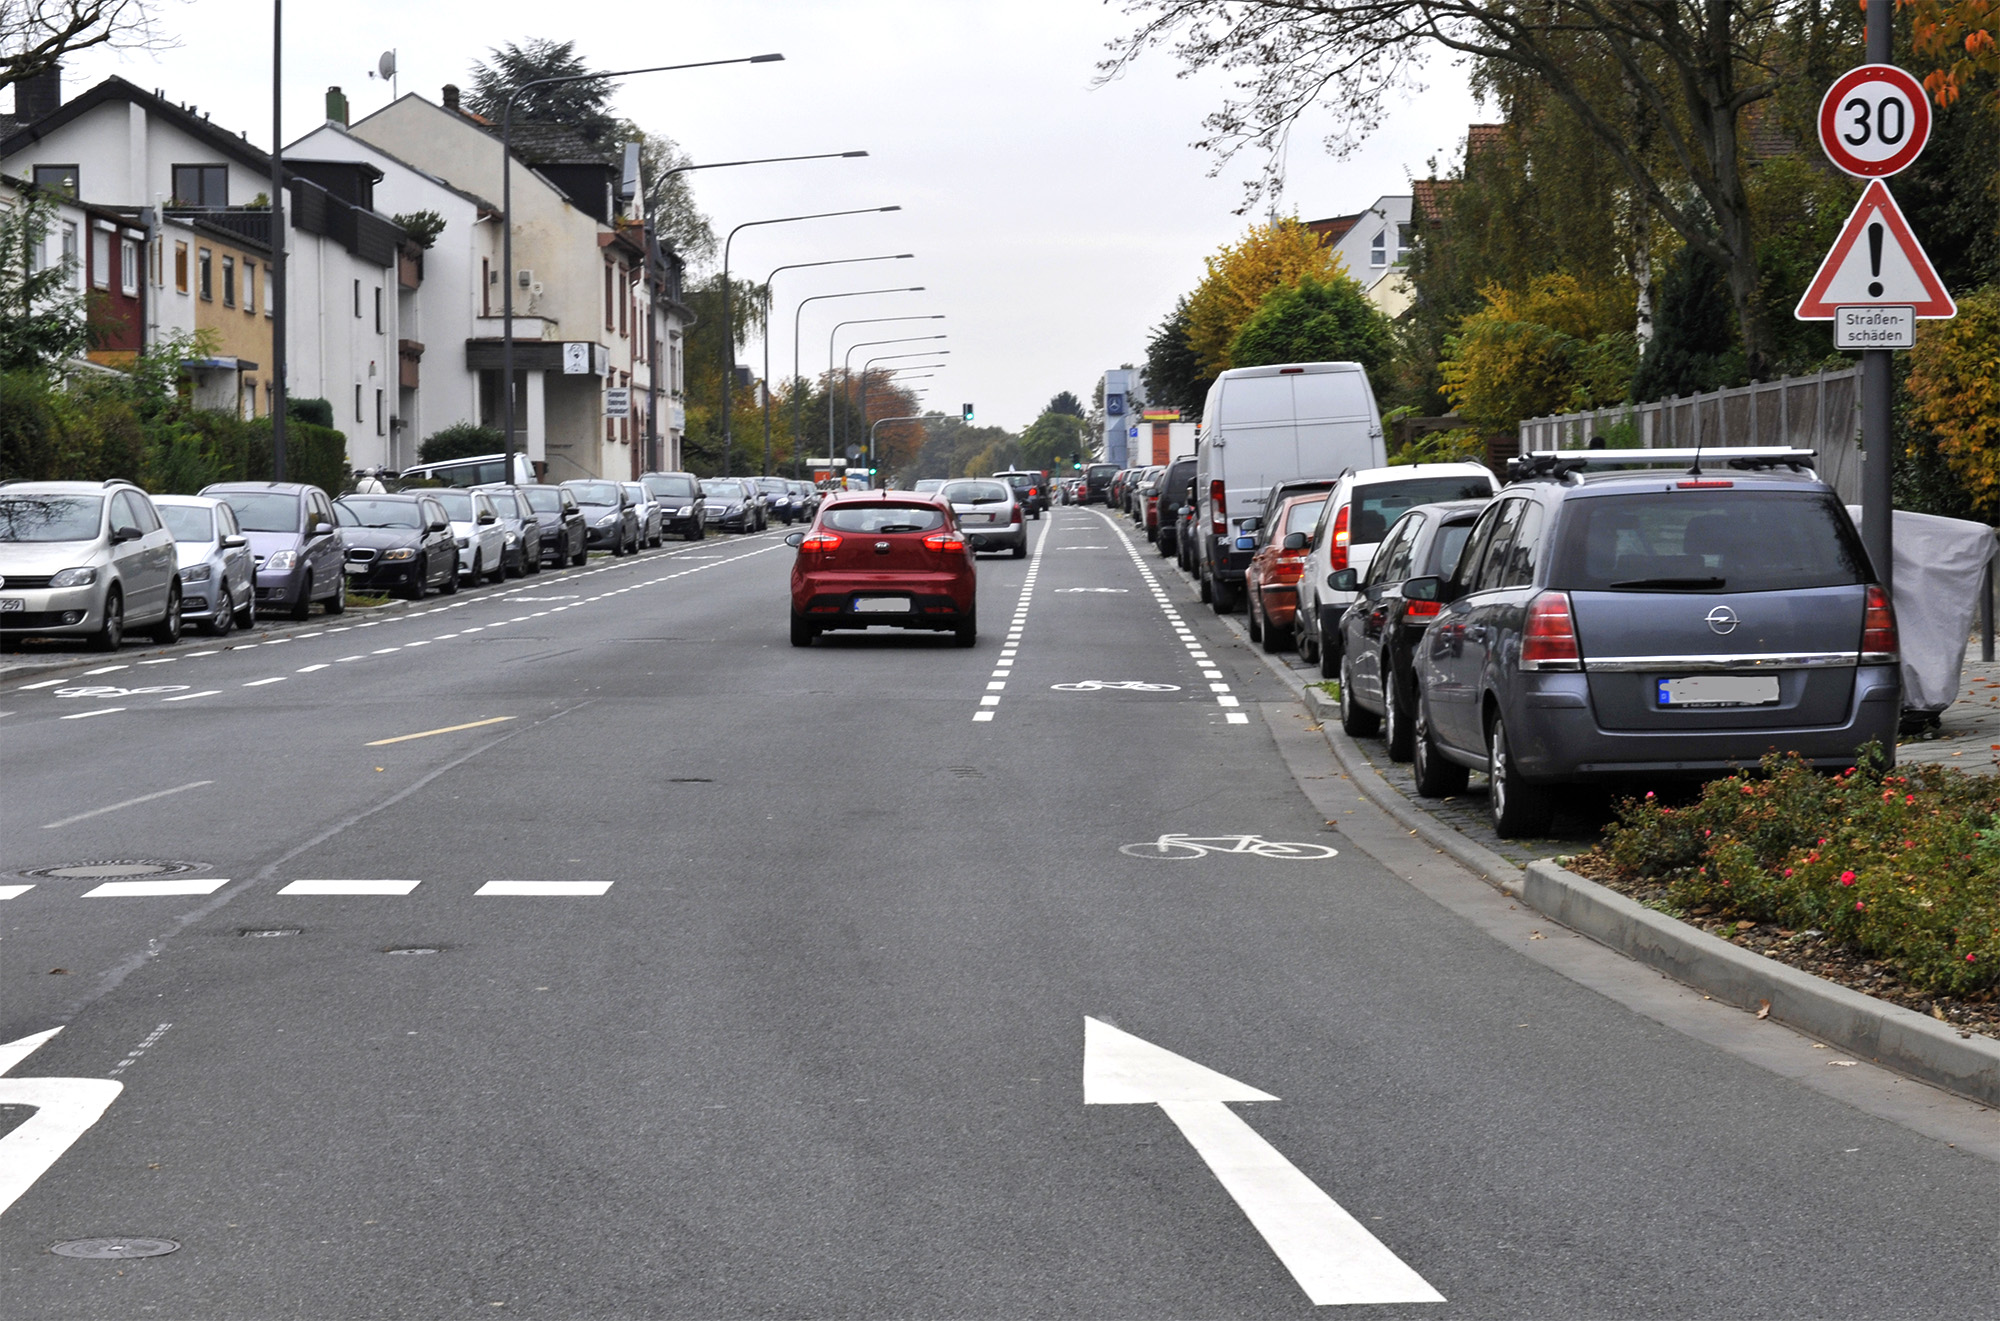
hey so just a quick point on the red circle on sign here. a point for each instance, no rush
(1857, 130)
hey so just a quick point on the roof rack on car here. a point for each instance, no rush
(1561, 463)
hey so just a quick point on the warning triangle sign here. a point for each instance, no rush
(1876, 262)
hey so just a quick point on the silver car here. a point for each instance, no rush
(218, 572)
(988, 513)
(652, 514)
(86, 559)
(481, 536)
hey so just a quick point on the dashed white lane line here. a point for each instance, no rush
(259, 683)
(350, 887)
(309, 669)
(1182, 633)
(189, 697)
(129, 802)
(46, 683)
(105, 669)
(157, 889)
(496, 889)
(1016, 624)
(14, 891)
(85, 715)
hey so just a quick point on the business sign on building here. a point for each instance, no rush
(618, 402)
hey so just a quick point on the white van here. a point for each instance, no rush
(479, 470)
(1262, 426)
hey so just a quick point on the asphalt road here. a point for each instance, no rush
(800, 1031)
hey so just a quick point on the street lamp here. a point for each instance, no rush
(765, 467)
(831, 335)
(728, 322)
(761, 160)
(799, 312)
(507, 217)
(847, 370)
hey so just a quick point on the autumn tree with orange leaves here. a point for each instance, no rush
(1959, 37)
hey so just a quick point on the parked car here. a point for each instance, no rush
(300, 555)
(475, 524)
(86, 559)
(609, 520)
(565, 538)
(729, 504)
(1362, 507)
(871, 561)
(1030, 488)
(398, 543)
(1174, 484)
(1097, 482)
(651, 514)
(476, 470)
(1271, 584)
(987, 513)
(1608, 623)
(806, 498)
(679, 496)
(776, 493)
(217, 571)
(1146, 502)
(1262, 426)
(1379, 632)
(524, 530)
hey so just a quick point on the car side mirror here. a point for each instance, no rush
(487, 517)
(442, 525)
(1427, 588)
(321, 529)
(235, 542)
(1342, 580)
(1251, 525)
(1296, 541)
(120, 536)
(795, 538)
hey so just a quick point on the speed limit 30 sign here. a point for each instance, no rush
(1874, 121)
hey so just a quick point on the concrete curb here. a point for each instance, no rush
(1886, 1034)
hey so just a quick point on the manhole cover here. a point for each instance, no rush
(112, 869)
(115, 1249)
(413, 949)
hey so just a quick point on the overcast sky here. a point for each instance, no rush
(1054, 221)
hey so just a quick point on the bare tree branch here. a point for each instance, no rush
(36, 34)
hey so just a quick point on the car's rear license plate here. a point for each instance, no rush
(881, 605)
(9, 604)
(1720, 690)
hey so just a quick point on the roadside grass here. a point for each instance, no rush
(1903, 868)
(1330, 687)
(366, 600)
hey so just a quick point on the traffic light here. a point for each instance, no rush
(968, 413)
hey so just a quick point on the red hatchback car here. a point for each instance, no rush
(874, 559)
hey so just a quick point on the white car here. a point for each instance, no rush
(481, 536)
(217, 571)
(652, 514)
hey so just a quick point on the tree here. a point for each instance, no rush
(460, 440)
(1694, 351)
(1054, 437)
(41, 312)
(1173, 375)
(1556, 346)
(1239, 275)
(1691, 69)
(36, 35)
(667, 197)
(1065, 402)
(1963, 38)
(1315, 320)
(423, 227)
(584, 107)
(1954, 387)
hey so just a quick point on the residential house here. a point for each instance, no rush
(1374, 244)
(104, 251)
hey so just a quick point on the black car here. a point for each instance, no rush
(679, 494)
(565, 539)
(610, 521)
(398, 543)
(1097, 483)
(1030, 488)
(1175, 484)
(1379, 631)
(523, 554)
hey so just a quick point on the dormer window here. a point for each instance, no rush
(1378, 251)
(201, 185)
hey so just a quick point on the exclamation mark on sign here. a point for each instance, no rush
(1875, 258)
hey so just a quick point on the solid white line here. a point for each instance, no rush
(63, 1111)
(14, 891)
(129, 802)
(101, 711)
(556, 888)
(188, 697)
(156, 889)
(350, 887)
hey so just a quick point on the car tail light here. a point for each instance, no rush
(1338, 552)
(942, 541)
(1421, 609)
(1017, 515)
(1548, 641)
(1219, 516)
(1878, 628)
(820, 541)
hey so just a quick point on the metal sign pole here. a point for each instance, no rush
(1877, 388)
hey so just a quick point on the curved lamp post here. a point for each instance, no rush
(797, 402)
(765, 467)
(838, 326)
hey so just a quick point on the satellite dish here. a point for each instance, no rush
(386, 66)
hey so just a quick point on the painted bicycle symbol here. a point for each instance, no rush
(1184, 847)
(1123, 685)
(107, 690)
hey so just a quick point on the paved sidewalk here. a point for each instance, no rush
(1969, 734)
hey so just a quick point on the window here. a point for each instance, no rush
(1493, 565)
(125, 513)
(201, 185)
(247, 403)
(485, 286)
(381, 419)
(378, 309)
(128, 268)
(100, 258)
(205, 274)
(610, 298)
(57, 178)
(624, 303)
(357, 304)
(1404, 242)
(267, 296)
(70, 248)
(181, 267)
(228, 281)
(357, 402)
(1378, 251)
(249, 285)
(1521, 560)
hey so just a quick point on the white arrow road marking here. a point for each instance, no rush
(1334, 1259)
(65, 1109)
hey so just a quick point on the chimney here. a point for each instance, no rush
(451, 97)
(39, 94)
(336, 106)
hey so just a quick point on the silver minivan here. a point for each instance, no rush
(1261, 426)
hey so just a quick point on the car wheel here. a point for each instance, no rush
(1331, 645)
(246, 618)
(582, 554)
(337, 603)
(1223, 598)
(1355, 720)
(1398, 730)
(168, 631)
(420, 582)
(449, 587)
(110, 636)
(1276, 638)
(1305, 638)
(1204, 586)
(1516, 806)
(222, 619)
(1436, 777)
(1251, 624)
(967, 631)
(803, 633)
(305, 602)
(1021, 548)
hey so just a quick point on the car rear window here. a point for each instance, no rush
(1446, 549)
(1712, 541)
(1378, 504)
(458, 504)
(50, 517)
(264, 513)
(595, 493)
(191, 522)
(679, 487)
(1302, 516)
(543, 499)
(976, 493)
(877, 519)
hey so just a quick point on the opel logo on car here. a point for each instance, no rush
(1722, 619)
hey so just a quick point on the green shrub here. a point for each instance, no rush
(461, 440)
(316, 411)
(29, 431)
(1904, 867)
